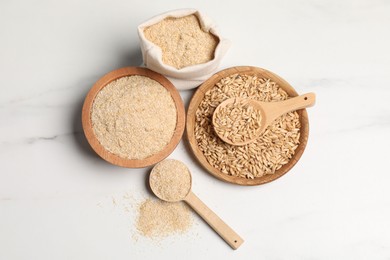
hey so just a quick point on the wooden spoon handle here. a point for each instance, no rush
(276, 109)
(228, 234)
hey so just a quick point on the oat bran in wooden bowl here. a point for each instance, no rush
(133, 117)
(273, 154)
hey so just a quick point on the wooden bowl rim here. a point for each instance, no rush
(198, 97)
(113, 158)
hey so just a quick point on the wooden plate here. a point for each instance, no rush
(198, 97)
(115, 159)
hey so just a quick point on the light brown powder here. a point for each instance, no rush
(134, 117)
(170, 180)
(237, 121)
(158, 218)
(182, 41)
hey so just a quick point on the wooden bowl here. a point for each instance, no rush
(198, 97)
(113, 158)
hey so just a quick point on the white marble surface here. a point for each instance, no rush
(57, 197)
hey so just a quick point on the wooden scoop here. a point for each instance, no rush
(227, 233)
(269, 112)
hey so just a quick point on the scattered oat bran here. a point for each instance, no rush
(134, 117)
(182, 41)
(170, 180)
(159, 219)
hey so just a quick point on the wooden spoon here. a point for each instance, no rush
(226, 232)
(269, 112)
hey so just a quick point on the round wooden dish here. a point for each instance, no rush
(115, 159)
(198, 97)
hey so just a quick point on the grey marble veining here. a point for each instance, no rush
(56, 194)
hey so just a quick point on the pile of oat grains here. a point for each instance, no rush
(273, 149)
(237, 121)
